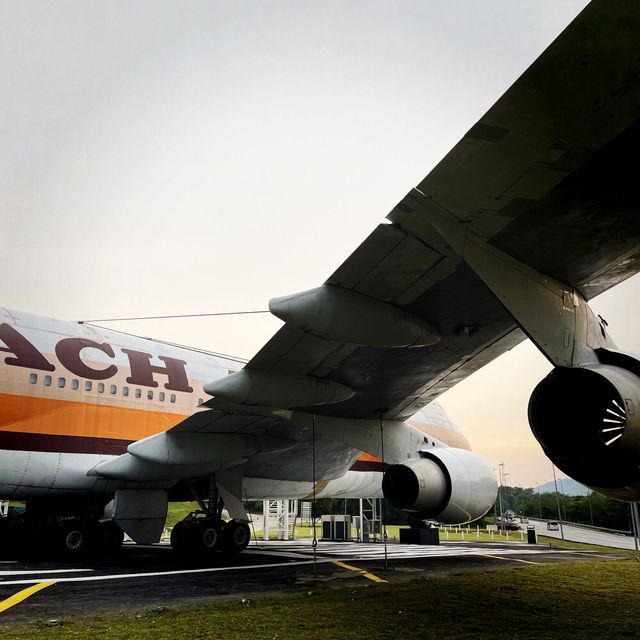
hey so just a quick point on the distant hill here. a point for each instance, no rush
(565, 485)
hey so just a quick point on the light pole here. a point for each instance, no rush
(555, 483)
(501, 474)
(539, 500)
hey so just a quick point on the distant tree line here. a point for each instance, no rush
(594, 509)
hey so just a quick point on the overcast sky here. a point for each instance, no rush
(176, 157)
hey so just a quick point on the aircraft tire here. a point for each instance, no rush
(236, 536)
(110, 537)
(73, 539)
(181, 538)
(208, 537)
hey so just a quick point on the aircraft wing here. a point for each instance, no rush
(547, 175)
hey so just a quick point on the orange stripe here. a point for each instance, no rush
(447, 435)
(366, 457)
(61, 417)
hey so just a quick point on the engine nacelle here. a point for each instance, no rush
(587, 420)
(452, 486)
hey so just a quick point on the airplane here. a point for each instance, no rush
(533, 213)
(97, 421)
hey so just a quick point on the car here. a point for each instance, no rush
(507, 525)
(552, 525)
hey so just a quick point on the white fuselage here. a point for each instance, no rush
(73, 395)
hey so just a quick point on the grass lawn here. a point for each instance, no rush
(581, 600)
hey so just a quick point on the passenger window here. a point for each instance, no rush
(161, 396)
(33, 378)
(149, 395)
(61, 382)
(88, 385)
(138, 393)
(74, 384)
(100, 387)
(47, 381)
(173, 397)
(113, 389)
(125, 391)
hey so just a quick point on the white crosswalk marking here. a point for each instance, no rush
(376, 551)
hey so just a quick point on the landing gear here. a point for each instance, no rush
(197, 536)
(181, 538)
(208, 536)
(72, 540)
(66, 529)
(110, 537)
(203, 533)
(80, 539)
(236, 536)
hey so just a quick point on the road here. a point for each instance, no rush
(583, 534)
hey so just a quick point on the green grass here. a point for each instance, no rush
(179, 510)
(578, 600)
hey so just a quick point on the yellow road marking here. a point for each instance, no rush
(487, 555)
(23, 595)
(362, 572)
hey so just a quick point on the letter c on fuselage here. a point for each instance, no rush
(68, 352)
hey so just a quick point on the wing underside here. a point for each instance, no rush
(546, 176)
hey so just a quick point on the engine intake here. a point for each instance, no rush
(450, 485)
(587, 421)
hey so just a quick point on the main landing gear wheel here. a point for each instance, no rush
(207, 537)
(236, 536)
(181, 538)
(73, 540)
(196, 537)
(110, 537)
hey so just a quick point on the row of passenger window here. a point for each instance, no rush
(100, 387)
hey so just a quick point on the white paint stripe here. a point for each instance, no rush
(437, 552)
(161, 574)
(257, 551)
(27, 572)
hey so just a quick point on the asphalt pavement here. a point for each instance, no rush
(151, 576)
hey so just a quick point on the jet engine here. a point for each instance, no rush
(587, 420)
(452, 486)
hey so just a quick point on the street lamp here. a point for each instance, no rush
(501, 475)
(555, 483)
